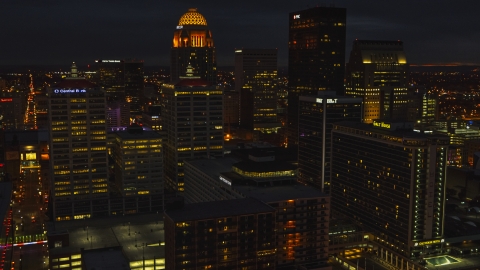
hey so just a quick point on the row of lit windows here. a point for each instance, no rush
(198, 93)
(289, 173)
(143, 141)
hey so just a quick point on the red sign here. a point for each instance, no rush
(6, 99)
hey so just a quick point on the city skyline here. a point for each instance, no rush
(37, 32)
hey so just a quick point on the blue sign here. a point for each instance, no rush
(68, 91)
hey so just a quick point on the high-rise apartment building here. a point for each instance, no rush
(78, 154)
(231, 234)
(378, 72)
(193, 122)
(256, 81)
(392, 181)
(302, 212)
(317, 114)
(193, 45)
(316, 57)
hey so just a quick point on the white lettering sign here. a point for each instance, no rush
(223, 179)
(67, 91)
(329, 100)
(179, 26)
(296, 16)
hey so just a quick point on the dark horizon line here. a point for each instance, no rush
(8, 68)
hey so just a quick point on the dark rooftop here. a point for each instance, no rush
(218, 209)
(280, 193)
(409, 133)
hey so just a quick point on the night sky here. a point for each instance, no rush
(57, 32)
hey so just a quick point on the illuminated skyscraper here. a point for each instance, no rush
(139, 167)
(378, 72)
(110, 76)
(78, 154)
(193, 121)
(316, 57)
(193, 45)
(317, 116)
(256, 81)
(392, 181)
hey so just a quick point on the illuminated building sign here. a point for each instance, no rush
(107, 61)
(296, 16)
(225, 180)
(68, 91)
(329, 100)
(381, 124)
(6, 99)
(430, 242)
(179, 26)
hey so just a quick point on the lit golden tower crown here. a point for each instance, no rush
(192, 31)
(193, 46)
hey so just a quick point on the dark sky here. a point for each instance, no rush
(57, 32)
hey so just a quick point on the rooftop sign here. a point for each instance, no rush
(296, 16)
(225, 180)
(381, 124)
(107, 61)
(68, 91)
(6, 99)
(329, 100)
(430, 242)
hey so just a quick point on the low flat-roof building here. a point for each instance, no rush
(140, 237)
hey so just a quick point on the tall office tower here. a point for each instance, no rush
(422, 108)
(193, 121)
(231, 109)
(317, 114)
(392, 181)
(134, 85)
(78, 150)
(316, 57)
(193, 45)
(118, 114)
(231, 234)
(378, 72)
(256, 81)
(139, 166)
(110, 75)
